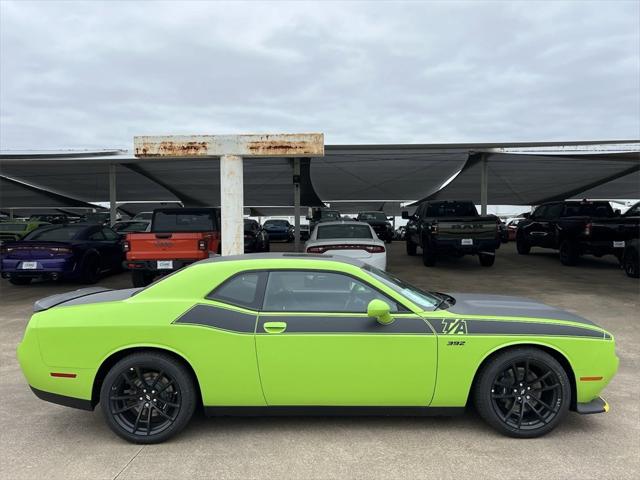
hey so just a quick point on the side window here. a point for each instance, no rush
(110, 234)
(319, 291)
(243, 290)
(541, 211)
(555, 210)
(97, 236)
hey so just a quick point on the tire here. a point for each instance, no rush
(412, 248)
(522, 246)
(507, 403)
(141, 278)
(631, 263)
(569, 254)
(428, 255)
(90, 273)
(162, 412)
(20, 280)
(486, 259)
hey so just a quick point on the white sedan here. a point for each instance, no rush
(348, 239)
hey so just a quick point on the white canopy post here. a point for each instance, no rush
(231, 149)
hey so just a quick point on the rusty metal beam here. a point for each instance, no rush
(268, 145)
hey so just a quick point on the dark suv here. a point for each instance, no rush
(379, 223)
(577, 228)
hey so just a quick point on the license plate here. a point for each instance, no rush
(29, 265)
(467, 241)
(618, 244)
(165, 264)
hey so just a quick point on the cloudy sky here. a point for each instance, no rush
(91, 74)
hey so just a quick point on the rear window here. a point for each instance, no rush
(183, 221)
(451, 209)
(131, 227)
(13, 227)
(276, 223)
(329, 215)
(326, 232)
(588, 210)
(61, 234)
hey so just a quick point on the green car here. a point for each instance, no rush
(286, 334)
(11, 231)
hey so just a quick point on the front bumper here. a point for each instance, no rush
(597, 405)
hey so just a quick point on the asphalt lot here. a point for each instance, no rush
(42, 440)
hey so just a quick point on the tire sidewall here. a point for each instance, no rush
(482, 390)
(156, 361)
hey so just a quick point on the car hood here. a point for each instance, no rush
(507, 306)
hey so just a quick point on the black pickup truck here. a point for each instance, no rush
(577, 228)
(452, 228)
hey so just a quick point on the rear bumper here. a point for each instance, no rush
(597, 405)
(600, 247)
(454, 245)
(63, 400)
(48, 268)
(152, 265)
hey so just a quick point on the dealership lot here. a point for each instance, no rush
(40, 439)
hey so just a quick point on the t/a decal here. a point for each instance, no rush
(454, 326)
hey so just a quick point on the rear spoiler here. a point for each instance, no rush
(53, 300)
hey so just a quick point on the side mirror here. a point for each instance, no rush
(405, 215)
(380, 311)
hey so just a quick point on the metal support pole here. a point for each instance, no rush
(11, 214)
(296, 203)
(484, 184)
(232, 204)
(112, 194)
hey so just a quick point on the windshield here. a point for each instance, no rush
(131, 226)
(276, 223)
(60, 234)
(451, 209)
(326, 232)
(329, 215)
(424, 300)
(372, 216)
(13, 227)
(633, 211)
(183, 221)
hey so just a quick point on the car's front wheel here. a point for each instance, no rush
(523, 392)
(522, 246)
(148, 397)
(411, 248)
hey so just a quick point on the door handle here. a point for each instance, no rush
(275, 327)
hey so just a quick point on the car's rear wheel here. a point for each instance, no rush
(428, 255)
(569, 253)
(20, 280)
(90, 273)
(523, 392)
(141, 279)
(411, 248)
(148, 397)
(631, 263)
(487, 259)
(522, 246)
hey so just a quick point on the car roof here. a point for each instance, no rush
(283, 256)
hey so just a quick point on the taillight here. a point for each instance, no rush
(202, 244)
(326, 248)
(587, 229)
(61, 250)
(126, 246)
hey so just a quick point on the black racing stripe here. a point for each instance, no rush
(497, 327)
(337, 324)
(216, 317)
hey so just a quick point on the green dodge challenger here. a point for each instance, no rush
(286, 334)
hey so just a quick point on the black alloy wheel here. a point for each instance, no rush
(631, 264)
(523, 393)
(147, 398)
